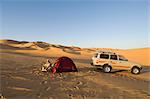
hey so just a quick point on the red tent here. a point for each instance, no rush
(64, 64)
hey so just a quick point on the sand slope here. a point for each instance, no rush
(140, 55)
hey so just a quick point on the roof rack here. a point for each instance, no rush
(109, 52)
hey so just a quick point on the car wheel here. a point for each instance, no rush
(135, 70)
(107, 69)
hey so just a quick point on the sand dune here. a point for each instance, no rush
(12, 42)
(140, 55)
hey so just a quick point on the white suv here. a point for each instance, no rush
(109, 60)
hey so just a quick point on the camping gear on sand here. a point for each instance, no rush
(47, 66)
(62, 64)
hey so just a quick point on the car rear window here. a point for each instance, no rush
(113, 57)
(104, 56)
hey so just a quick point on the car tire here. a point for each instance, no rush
(135, 70)
(107, 68)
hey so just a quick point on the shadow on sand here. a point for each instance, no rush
(144, 70)
(112, 72)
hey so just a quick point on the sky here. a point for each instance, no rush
(84, 23)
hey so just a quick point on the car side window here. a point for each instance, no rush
(113, 57)
(104, 56)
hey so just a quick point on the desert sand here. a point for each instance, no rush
(21, 77)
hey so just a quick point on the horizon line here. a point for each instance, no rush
(75, 45)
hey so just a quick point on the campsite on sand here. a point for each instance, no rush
(22, 78)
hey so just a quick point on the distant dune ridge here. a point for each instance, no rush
(140, 55)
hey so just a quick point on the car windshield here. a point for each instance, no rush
(122, 58)
(96, 54)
